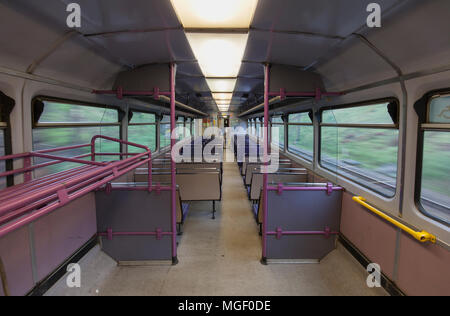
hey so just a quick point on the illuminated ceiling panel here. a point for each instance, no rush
(219, 55)
(223, 102)
(215, 13)
(221, 85)
(222, 96)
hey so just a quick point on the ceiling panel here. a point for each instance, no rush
(19, 46)
(94, 70)
(189, 69)
(409, 42)
(291, 41)
(146, 48)
(118, 15)
(252, 70)
(246, 85)
(336, 17)
(272, 47)
(101, 16)
(198, 85)
(353, 65)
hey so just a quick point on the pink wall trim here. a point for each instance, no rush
(424, 269)
(60, 234)
(374, 237)
(15, 252)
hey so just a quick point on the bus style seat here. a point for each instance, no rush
(182, 210)
(200, 185)
(256, 167)
(158, 176)
(247, 162)
(200, 166)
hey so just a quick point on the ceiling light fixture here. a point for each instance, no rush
(215, 13)
(219, 53)
(223, 96)
(221, 85)
(223, 102)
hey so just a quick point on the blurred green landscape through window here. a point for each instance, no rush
(57, 127)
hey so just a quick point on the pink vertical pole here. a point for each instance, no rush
(149, 166)
(173, 166)
(93, 158)
(27, 164)
(266, 161)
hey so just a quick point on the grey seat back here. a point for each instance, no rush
(251, 168)
(200, 186)
(274, 179)
(135, 211)
(302, 211)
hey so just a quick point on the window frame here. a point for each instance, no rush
(43, 98)
(5, 125)
(36, 124)
(272, 124)
(300, 124)
(424, 125)
(161, 122)
(188, 122)
(260, 130)
(180, 122)
(395, 125)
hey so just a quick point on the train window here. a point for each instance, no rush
(180, 128)
(2, 153)
(6, 107)
(277, 132)
(301, 135)
(189, 123)
(142, 130)
(195, 124)
(164, 132)
(434, 198)
(257, 127)
(360, 142)
(59, 123)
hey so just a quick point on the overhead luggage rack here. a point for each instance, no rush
(27, 202)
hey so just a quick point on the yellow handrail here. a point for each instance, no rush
(422, 236)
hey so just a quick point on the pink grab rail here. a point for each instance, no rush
(49, 193)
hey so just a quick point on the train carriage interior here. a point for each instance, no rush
(224, 148)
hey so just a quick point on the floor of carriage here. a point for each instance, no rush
(221, 257)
